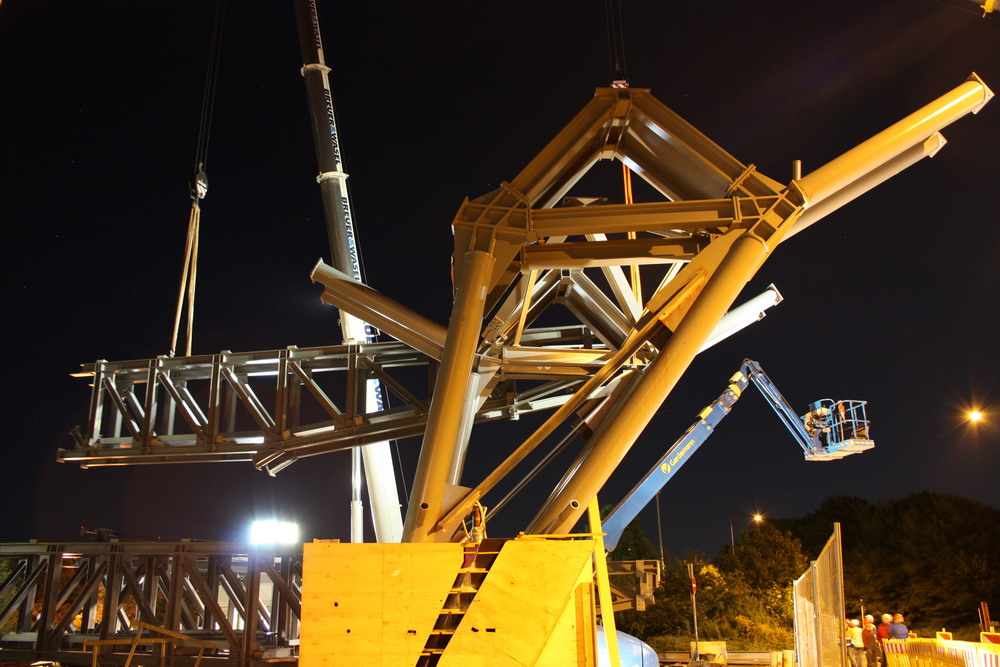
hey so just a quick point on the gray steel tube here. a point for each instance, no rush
(372, 306)
(451, 392)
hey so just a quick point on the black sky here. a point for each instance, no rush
(893, 299)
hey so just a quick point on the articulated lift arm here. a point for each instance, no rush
(830, 430)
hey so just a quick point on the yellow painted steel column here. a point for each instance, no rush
(450, 394)
(927, 148)
(604, 584)
(617, 434)
(890, 142)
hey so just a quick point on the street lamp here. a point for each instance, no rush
(756, 518)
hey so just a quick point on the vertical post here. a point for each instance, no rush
(603, 584)
(839, 604)
(50, 594)
(694, 609)
(818, 617)
(96, 403)
(659, 530)
(344, 252)
(112, 598)
(250, 607)
(147, 428)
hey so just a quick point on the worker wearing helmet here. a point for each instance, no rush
(855, 643)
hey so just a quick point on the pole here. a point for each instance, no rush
(659, 529)
(694, 610)
(344, 256)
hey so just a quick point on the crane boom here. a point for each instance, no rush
(830, 430)
(345, 257)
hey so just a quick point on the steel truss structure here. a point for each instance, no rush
(519, 251)
(274, 406)
(245, 600)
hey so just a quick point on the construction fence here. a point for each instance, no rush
(819, 609)
(940, 653)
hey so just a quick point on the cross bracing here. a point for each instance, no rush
(244, 601)
(273, 406)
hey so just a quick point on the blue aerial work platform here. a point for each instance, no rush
(830, 430)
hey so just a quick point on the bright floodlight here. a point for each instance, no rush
(975, 416)
(758, 517)
(274, 532)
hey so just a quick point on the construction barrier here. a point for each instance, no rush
(939, 653)
(819, 609)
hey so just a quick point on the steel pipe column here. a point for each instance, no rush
(451, 392)
(895, 139)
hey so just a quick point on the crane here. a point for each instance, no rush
(829, 430)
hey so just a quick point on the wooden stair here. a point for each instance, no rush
(478, 559)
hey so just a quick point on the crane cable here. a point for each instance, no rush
(616, 43)
(199, 185)
(619, 79)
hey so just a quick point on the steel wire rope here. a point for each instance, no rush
(211, 84)
(199, 185)
(616, 41)
(538, 468)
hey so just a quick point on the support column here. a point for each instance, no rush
(450, 395)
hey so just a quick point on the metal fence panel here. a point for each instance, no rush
(819, 605)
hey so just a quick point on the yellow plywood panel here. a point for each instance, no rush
(341, 603)
(415, 585)
(372, 604)
(520, 604)
(573, 640)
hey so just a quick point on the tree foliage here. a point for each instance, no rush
(929, 556)
(744, 596)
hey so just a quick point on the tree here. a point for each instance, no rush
(764, 563)
(930, 556)
(744, 597)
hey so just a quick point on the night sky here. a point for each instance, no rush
(893, 299)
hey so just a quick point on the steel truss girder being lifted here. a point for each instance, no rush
(313, 400)
(516, 256)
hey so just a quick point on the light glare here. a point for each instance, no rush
(975, 416)
(274, 532)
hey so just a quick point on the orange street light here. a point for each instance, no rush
(756, 518)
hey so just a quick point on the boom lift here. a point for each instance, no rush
(829, 430)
